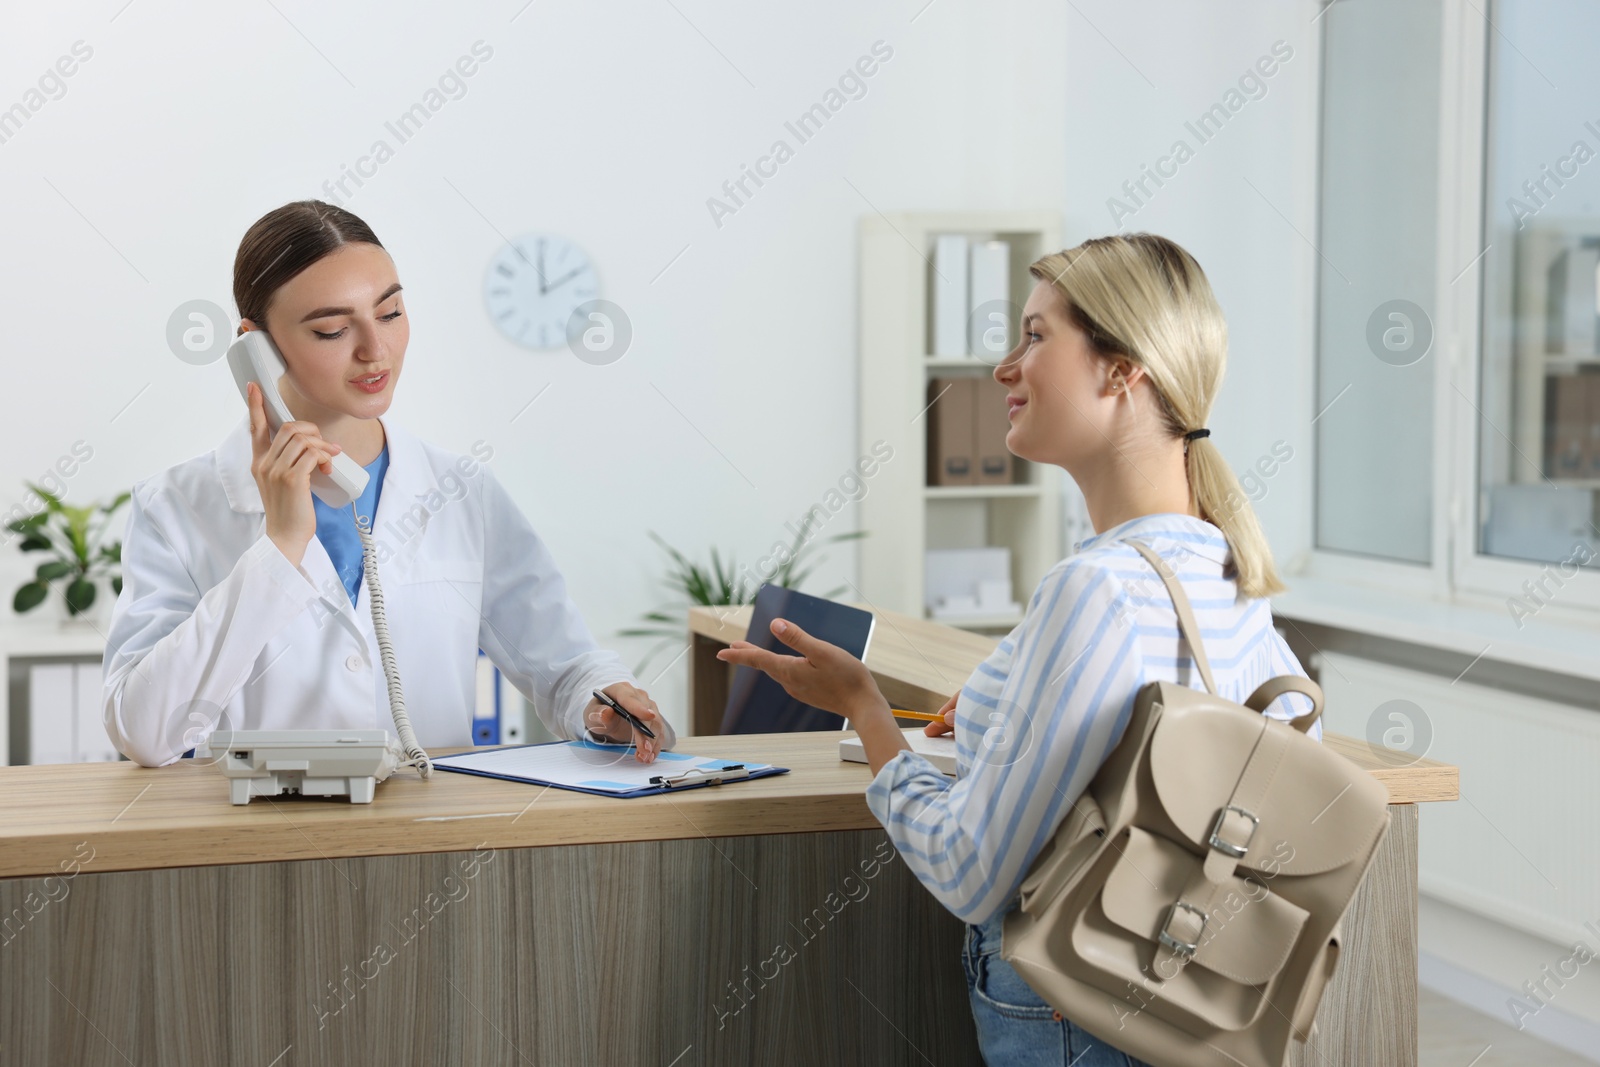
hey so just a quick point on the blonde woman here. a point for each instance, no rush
(1114, 378)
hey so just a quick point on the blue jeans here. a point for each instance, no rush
(1016, 1028)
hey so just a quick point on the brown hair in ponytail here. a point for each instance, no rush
(1144, 298)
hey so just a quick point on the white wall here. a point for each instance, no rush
(1136, 73)
(612, 124)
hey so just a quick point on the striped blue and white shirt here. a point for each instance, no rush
(1043, 712)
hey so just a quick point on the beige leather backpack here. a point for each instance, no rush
(1187, 909)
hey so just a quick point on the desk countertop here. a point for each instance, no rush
(919, 663)
(138, 818)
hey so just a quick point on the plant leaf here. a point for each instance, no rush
(797, 578)
(667, 641)
(56, 568)
(29, 597)
(51, 501)
(648, 631)
(661, 616)
(80, 596)
(78, 530)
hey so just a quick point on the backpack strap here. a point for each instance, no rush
(1187, 625)
(1267, 691)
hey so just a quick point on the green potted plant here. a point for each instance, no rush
(82, 554)
(724, 583)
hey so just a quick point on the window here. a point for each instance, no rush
(1457, 423)
(1539, 432)
(1377, 247)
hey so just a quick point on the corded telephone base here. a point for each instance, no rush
(322, 763)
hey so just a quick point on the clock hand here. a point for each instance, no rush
(543, 288)
(565, 278)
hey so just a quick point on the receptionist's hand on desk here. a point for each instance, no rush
(827, 677)
(605, 723)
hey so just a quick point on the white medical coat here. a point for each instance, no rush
(215, 624)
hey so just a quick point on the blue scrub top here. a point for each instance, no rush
(337, 531)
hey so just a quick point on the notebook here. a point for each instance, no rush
(940, 751)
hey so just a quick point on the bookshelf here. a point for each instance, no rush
(903, 515)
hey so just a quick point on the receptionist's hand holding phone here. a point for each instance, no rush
(282, 466)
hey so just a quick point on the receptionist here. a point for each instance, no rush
(245, 602)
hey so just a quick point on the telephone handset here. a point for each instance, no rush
(254, 358)
(317, 762)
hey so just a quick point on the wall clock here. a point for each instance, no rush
(533, 285)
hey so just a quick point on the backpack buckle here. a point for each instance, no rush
(1186, 949)
(1226, 847)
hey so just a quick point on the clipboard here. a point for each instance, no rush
(602, 770)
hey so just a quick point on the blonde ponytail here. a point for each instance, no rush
(1221, 500)
(1144, 298)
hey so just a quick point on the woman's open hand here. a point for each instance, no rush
(823, 675)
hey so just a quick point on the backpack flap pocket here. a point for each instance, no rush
(1197, 758)
(1241, 939)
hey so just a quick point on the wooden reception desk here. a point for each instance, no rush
(146, 920)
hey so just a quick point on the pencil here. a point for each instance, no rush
(922, 716)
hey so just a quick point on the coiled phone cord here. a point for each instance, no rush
(380, 626)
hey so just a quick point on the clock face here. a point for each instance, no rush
(534, 284)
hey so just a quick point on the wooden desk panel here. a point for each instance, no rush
(774, 949)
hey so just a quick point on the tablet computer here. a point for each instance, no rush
(756, 703)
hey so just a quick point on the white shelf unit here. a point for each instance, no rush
(1534, 363)
(903, 516)
(27, 638)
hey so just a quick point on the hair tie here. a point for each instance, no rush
(1195, 434)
